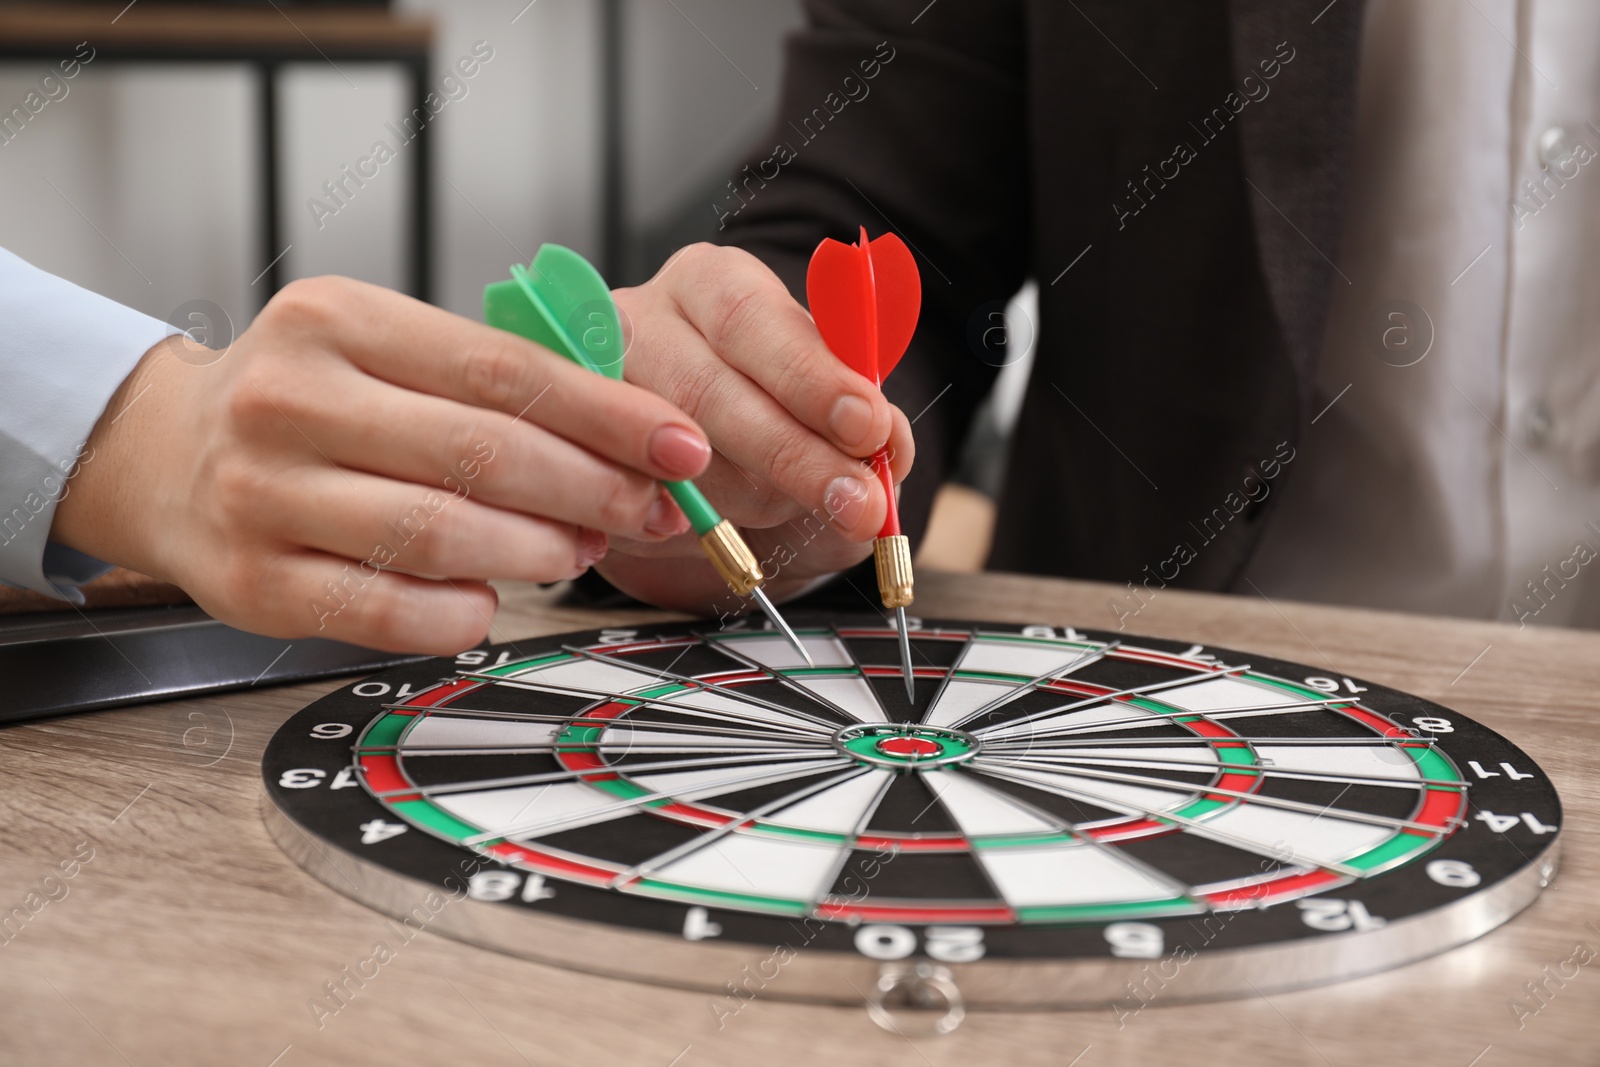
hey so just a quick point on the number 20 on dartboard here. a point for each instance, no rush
(947, 944)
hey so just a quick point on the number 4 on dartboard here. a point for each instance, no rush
(377, 830)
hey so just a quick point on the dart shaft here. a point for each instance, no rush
(891, 518)
(702, 516)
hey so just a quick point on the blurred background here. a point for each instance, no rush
(159, 159)
(610, 126)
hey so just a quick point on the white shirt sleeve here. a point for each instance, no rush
(63, 353)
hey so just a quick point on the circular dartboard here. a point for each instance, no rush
(1052, 817)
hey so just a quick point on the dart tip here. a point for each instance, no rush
(905, 654)
(779, 621)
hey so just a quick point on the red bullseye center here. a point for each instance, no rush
(908, 747)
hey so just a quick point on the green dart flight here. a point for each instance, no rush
(561, 302)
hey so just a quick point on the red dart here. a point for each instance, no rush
(865, 299)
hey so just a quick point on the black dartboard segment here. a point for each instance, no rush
(1050, 796)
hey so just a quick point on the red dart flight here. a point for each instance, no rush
(865, 299)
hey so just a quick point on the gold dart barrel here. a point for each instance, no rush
(732, 558)
(892, 556)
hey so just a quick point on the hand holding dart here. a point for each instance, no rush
(865, 299)
(561, 302)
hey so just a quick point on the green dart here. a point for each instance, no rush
(561, 302)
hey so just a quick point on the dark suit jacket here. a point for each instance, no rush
(1003, 138)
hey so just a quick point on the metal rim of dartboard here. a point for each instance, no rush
(1061, 819)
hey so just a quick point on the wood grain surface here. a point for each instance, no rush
(188, 938)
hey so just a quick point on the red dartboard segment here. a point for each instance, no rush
(382, 774)
(439, 694)
(581, 759)
(1145, 656)
(1374, 720)
(734, 678)
(1442, 808)
(693, 813)
(913, 747)
(547, 863)
(1078, 688)
(1130, 829)
(854, 632)
(896, 672)
(913, 843)
(644, 646)
(1273, 890)
(848, 912)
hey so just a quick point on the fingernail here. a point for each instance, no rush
(845, 500)
(679, 451)
(665, 520)
(851, 421)
(591, 548)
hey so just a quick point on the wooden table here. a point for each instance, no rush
(190, 939)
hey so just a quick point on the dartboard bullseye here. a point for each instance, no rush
(1051, 815)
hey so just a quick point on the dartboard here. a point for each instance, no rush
(1051, 815)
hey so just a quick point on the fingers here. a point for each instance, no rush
(675, 574)
(763, 444)
(309, 594)
(902, 446)
(390, 524)
(360, 423)
(410, 344)
(747, 317)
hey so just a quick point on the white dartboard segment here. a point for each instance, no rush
(850, 693)
(1299, 837)
(755, 864)
(981, 811)
(1026, 659)
(1117, 796)
(839, 809)
(1066, 874)
(444, 731)
(1096, 718)
(1370, 761)
(774, 650)
(745, 713)
(1223, 694)
(589, 675)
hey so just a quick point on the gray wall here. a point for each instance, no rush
(700, 85)
(141, 184)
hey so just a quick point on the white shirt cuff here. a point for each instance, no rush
(63, 353)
